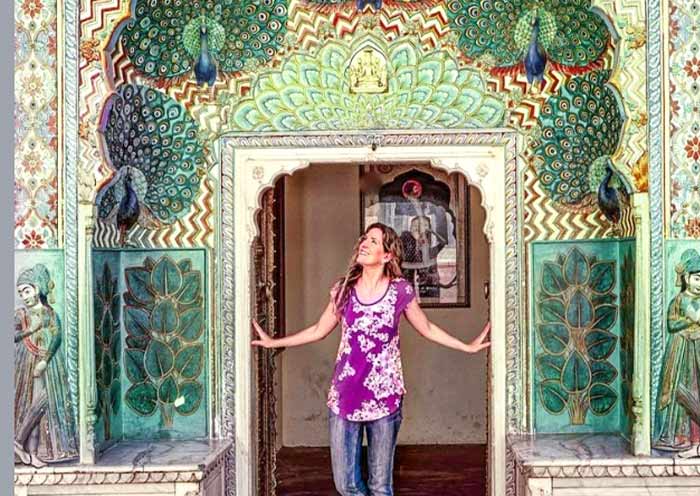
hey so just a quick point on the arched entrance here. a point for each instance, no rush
(250, 165)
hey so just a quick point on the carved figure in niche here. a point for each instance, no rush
(679, 396)
(44, 416)
(368, 72)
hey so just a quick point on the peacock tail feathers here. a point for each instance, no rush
(425, 90)
(571, 33)
(580, 124)
(154, 137)
(162, 38)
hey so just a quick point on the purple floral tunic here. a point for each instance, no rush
(368, 380)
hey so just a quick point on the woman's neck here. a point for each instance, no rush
(372, 277)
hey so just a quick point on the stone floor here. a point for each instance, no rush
(445, 470)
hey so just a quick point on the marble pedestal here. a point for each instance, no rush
(174, 468)
(597, 465)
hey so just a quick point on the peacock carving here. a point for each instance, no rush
(516, 35)
(170, 39)
(151, 144)
(581, 127)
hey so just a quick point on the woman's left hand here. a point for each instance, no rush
(478, 344)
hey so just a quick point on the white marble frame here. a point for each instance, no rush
(251, 163)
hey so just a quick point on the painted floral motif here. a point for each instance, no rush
(692, 68)
(692, 148)
(692, 228)
(36, 144)
(684, 66)
(386, 377)
(370, 410)
(348, 371)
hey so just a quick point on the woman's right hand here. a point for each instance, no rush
(265, 340)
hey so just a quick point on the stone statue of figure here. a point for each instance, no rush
(679, 395)
(45, 427)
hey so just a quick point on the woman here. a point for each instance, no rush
(44, 418)
(367, 387)
(679, 396)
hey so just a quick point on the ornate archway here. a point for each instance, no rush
(251, 164)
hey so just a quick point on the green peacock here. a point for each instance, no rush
(151, 144)
(513, 35)
(169, 39)
(581, 128)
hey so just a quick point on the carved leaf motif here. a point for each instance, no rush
(158, 359)
(579, 312)
(600, 344)
(167, 392)
(602, 399)
(552, 310)
(138, 282)
(602, 372)
(191, 288)
(550, 367)
(115, 393)
(142, 398)
(554, 338)
(189, 361)
(553, 279)
(602, 277)
(576, 270)
(192, 393)
(134, 365)
(166, 278)
(554, 396)
(164, 317)
(576, 375)
(191, 324)
(605, 317)
(136, 321)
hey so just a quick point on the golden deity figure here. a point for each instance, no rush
(368, 73)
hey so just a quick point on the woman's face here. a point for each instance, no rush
(694, 283)
(371, 249)
(28, 294)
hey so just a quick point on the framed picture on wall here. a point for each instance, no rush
(429, 210)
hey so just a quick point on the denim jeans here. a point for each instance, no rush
(346, 448)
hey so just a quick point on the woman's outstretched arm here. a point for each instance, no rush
(416, 316)
(316, 332)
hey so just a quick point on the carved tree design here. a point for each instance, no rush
(576, 312)
(164, 320)
(107, 348)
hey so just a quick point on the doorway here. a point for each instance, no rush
(252, 164)
(442, 442)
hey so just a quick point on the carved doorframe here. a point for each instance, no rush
(250, 164)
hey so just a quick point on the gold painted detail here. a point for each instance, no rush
(368, 72)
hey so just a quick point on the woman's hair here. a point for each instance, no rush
(392, 269)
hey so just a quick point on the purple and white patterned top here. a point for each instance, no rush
(368, 380)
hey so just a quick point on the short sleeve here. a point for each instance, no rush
(406, 295)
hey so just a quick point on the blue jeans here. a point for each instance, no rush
(346, 448)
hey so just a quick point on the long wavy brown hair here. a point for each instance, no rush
(392, 269)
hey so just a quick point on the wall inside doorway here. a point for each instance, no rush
(446, 400)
